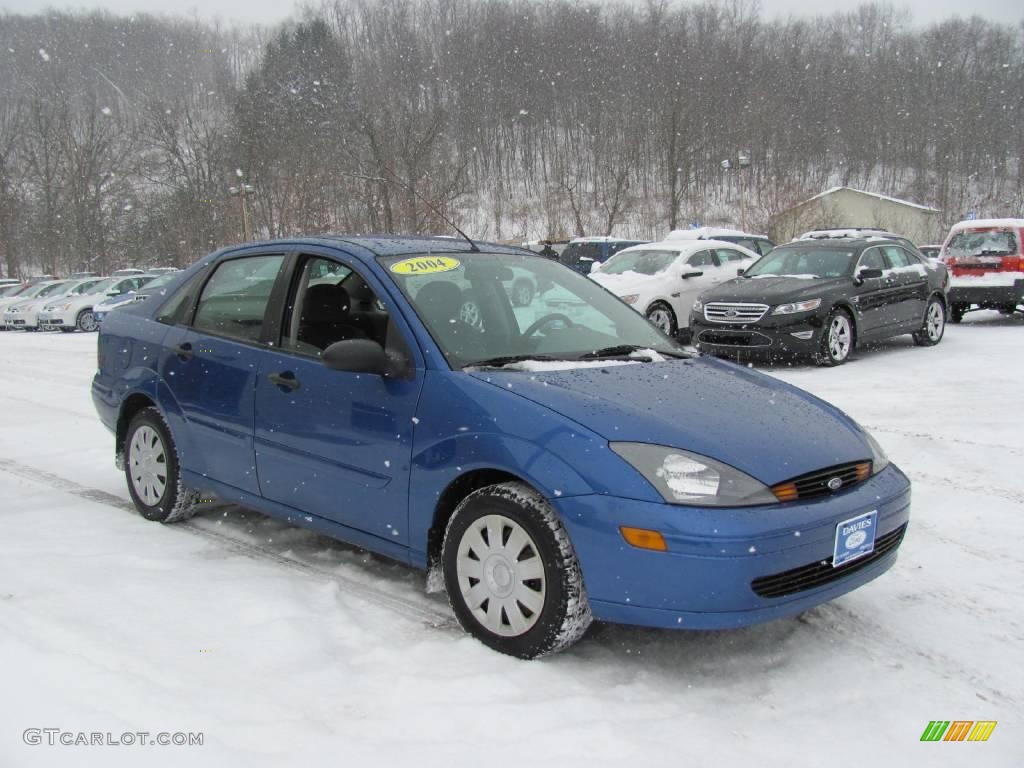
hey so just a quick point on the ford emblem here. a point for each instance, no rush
(855, 539)
(835, 483)
(732, 313)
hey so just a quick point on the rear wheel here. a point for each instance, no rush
(87, 321)
(957, 312)
(934, 324)
(661, 315)
(511, 573)
(151, 468)
(837, 339)
(1008, 309)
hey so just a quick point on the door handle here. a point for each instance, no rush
(286, 380)
(184, 351)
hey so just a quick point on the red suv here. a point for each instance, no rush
(986, 257)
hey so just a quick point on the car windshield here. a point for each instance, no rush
(500, 308)
(52, 290)
(84, 287)
(646, 262)
(803, 262)
(160, 282)
(9, 290)
(990, 243)
(103, 285)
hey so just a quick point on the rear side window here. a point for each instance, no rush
(726, 255)
(234, 300)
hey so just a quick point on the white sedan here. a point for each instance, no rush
(662, 280)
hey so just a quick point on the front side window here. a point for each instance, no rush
(873, 259)
(234, 299)
(727, 254)
(333, 303)
(465, 300)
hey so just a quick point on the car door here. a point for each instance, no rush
(331, 443)
(210, 361)
(912, 283)
(697, 273)
(874, 297)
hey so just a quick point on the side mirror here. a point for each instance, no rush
(867, 273)
(688, 275)
(361, 356)
(740, 271)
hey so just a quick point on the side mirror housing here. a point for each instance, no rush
(688, 275)
(362, 356)
(867, 273)
(740, 271)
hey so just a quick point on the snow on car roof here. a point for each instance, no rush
(707, 233)
(606, 239)
(960, 226)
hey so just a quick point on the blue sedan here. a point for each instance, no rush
(555, 462)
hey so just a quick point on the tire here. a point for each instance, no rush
(957, 312)
(1008, 309)
(149, 455)
(522, 293)
(934, 325)
(662, 317)
(838, 338)
(87, 321)
(524, 598)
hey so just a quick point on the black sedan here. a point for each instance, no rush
(822, 298)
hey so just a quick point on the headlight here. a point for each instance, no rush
(67, 306)
(682, 477)
(698, 306)
(799, 306)
(631, 298)
(879, 460)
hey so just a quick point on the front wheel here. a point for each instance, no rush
(662, 317)
(934, 324)
(837, 339)
(87, 321)
(151, 468)
(511, 574)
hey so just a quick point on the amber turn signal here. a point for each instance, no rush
(644, 539)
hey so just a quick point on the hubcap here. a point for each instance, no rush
(661, 319)
(88, 322)
(839, 338)
(501, 576)
(148, 464)
(935, 322)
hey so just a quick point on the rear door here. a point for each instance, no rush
(333, 443)
(210, 361)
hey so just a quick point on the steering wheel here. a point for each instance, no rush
(547, 320)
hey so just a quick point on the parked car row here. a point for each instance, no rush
(70, 304)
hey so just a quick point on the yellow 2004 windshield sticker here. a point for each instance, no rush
(425, 265)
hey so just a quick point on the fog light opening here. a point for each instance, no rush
(804, 335)
(642, 538)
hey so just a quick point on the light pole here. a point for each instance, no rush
(742, 161)
(240, 192)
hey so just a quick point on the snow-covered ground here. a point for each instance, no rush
(287, 649)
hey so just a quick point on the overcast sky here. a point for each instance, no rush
(269, 11)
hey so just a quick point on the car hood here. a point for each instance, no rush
(629, 282)
(772, 290)
(771, 430)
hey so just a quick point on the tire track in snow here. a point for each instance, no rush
(419, 611)
(1011, 449)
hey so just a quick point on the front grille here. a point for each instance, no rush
(821, 573)
(823, 482)
(733, 312)
(734, 339)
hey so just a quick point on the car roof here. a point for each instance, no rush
(970, 224)
(682, 246)
(606, 239)
(710, 233)
(368, 247)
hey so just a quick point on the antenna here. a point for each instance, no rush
(394, 179)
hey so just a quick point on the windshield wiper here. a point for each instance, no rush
(624, 351)
(498, 362)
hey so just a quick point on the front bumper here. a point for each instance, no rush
(793, 336)
(706, 578)
(987, 296)
(52, 321)
(16, 321)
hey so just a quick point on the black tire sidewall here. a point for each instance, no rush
(541, 637)
(150, 417)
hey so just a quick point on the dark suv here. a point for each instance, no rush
(821, 298)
